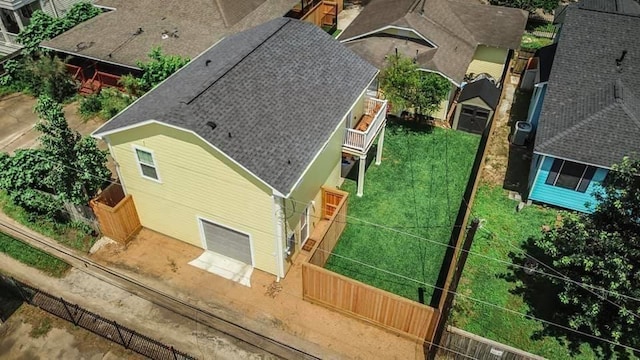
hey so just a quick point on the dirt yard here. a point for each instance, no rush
(31, 333)
(268, 307)
(17, 120)
(507, 165)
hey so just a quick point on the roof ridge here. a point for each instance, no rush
(624, 102)
(287, 21)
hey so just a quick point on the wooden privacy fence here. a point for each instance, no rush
(459, 344)
(116, 213)
(334, 215)
(362, 301)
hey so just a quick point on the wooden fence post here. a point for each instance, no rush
(453, 287)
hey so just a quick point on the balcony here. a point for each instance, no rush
(360, 138)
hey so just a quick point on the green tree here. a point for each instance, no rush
(602, 251)
(406, 86)
(78, 166)
(528, 5)
(160, 67)
(44, 27)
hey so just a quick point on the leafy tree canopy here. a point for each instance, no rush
(45, 27)
(601, 250)
(67, 168)
(406, 86)
(528, 5)
(159, 67)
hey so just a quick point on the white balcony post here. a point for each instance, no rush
(4, 31)
(16, 14)
(361, 167)
(380, 145)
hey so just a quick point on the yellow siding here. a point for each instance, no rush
(488, 60)
(325, 170)
(441, 113)
(196, 181)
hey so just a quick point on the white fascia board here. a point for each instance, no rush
(390, 27)
(572, 160)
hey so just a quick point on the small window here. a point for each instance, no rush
(570, 175)
(147, 164)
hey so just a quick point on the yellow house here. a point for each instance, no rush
(230, 153)
(459, 40)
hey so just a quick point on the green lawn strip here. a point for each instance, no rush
(74, 235)
(31, 256)
(440, 163)
(532, 43)
(483, 279)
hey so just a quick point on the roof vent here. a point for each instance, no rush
(617, 91)
(207, 62)
(619, 61)
(212, 125)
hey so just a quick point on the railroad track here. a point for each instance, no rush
(154, 296)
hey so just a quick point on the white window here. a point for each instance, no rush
(147, 164)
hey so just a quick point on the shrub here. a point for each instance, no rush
(90, 106)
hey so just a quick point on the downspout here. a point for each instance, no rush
(278, 221)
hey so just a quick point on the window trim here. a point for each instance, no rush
(581, 179)
(306, 216)
(154, 166)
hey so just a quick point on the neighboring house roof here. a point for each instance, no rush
(455, 27)
(582, 117)
(276, 94)
(114, 36)
(545, 57)
(483, 89)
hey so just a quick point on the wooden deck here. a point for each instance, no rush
(366, 119)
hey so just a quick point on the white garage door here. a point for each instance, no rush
(227, 242)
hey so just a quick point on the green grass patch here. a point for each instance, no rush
(503, 231)
(31, 256)
(72, 234)
(417, 191)
(532, 43)
(336, 33)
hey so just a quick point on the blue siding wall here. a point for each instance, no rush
(558, 196)
(536, 104)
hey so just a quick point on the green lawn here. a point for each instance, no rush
(482, 278)
(31, 256)
(416, 190)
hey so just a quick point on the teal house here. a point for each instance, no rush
(587, 114)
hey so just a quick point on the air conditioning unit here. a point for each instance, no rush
(521, 133)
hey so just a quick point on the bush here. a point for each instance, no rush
(44, 76)
(107, 104)
(90, 106)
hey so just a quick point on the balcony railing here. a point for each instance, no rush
(302, 8)
(365, 131)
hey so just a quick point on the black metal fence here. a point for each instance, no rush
(97, 324)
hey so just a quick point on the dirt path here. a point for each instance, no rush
(31, 333)
(136, 313)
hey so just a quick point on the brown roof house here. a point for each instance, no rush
(461, 41)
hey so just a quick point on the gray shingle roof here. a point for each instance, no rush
(199, 24)
(456, 27)
(280, 89)
(581, 118)
(483, 89)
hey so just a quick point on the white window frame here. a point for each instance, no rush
(305, 216)
(153, 157)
